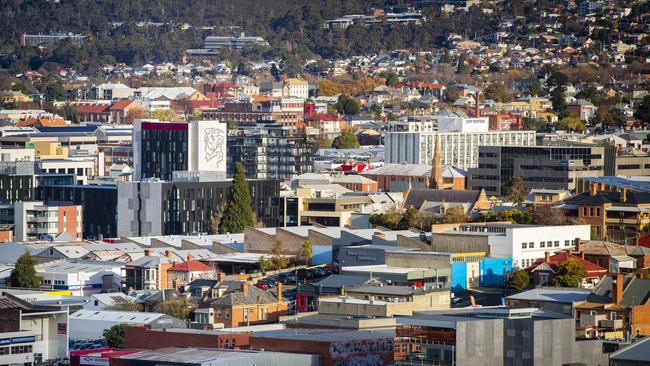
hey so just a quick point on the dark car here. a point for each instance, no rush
(304, 274)
(287, 278)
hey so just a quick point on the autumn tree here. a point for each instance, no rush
(307, 251)
(126, 306)
(164, 114)
(456, 215)
(571, 124)
(497, 92)
(326, 88)
(178, 308)
(134, 114)
(548, 215)
(215, 220)
(278, 255)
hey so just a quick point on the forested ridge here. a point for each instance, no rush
(293, 28)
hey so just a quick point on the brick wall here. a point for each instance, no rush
(141, 337)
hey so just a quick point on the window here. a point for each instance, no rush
(612, 315)
(4, 351)
(556, 243)
(567, 243)
(523, 245)
(531, 245)
(21, 349)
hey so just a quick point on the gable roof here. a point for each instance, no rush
(416, 197)
(121, 104)
(190, 266)
(639, 352)
(234, 296)
(554, 262)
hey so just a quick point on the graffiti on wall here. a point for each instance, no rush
(361, 353)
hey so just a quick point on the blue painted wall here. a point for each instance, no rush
(458, 277)
(492, 271)
(321, 254)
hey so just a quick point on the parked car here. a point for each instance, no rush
(287, 278)
(262, 285)
(334, 269)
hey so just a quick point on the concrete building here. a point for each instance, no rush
(550, 167)
(31, 334)
(161, 148)
(459, 149)
(80, 277)
(523, 243)
(494, 336)
(269, 151)
(50, 39)
(185, 205)
(232, 42)
(34, 220)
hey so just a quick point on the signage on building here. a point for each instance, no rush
(62, 328)
(15, 340)
(94, 361)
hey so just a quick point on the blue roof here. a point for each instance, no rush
(68, 129)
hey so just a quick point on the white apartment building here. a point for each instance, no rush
(526, 243)
(459, 149)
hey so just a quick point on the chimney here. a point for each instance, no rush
(279, 288)
(547, 257)
(594, 189)
(221, 276)
(582, 254)
(617, 288)
(578, 245)
(168, 253)
(147, 252)
(602, 186)
(189, 257)
(623, 195)
(477, 104)
(244, 288)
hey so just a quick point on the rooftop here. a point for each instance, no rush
(554, 294)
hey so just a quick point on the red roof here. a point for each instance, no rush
(121, 104)
(554, 261)
(356, 167)
(323, 117)
(191, 266)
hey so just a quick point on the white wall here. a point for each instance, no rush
(207, 146)
(510, 245)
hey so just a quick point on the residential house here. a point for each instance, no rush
(616, 258)
(544, 270)
(183, 273)
(618, 306)
(436, 202)
(243, 304)
(123, 111)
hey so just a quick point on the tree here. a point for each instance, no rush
(265, 264)
(396, 218)
(462, 68)
(570, 274)
(346, 140)
(114, 336)
(178, 308)
(347, 105)
(515, 190)
(392, 116)
(323, 142)
(392, 78)
(239, 208)
(24, 273)
(409, 219)
(53, 89)
(556, 84)
(548, 215)
(571, 124)
(604, 116)
(126, 306)
(164, 114)
(643, 110)
(278, 259)
(326, 88)
(275, 72)
(497, 92)
(536, 90)
(215, 220)
(134, 114)
(456, 215)
(519, 281)
(306, 251)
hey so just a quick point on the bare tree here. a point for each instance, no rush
(215, 221)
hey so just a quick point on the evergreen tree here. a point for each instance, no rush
(114, 336)
(570, 274)
(346, 140)
(515, 190)
(519, 280)
(461, 64)
(239, 209)
(24, 273)
(643, 110)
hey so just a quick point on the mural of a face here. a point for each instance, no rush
(214, 139)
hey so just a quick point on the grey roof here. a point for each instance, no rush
(234, 296)
(563, 295)
(417, 197)
(389, 290)
(637, 292)
(346, 281)
(639, 352)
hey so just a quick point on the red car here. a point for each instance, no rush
(334, 269)
(262, 285)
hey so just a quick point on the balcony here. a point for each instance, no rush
(592, 320)
(611, 324)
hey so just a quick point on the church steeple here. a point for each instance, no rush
(436, 165)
